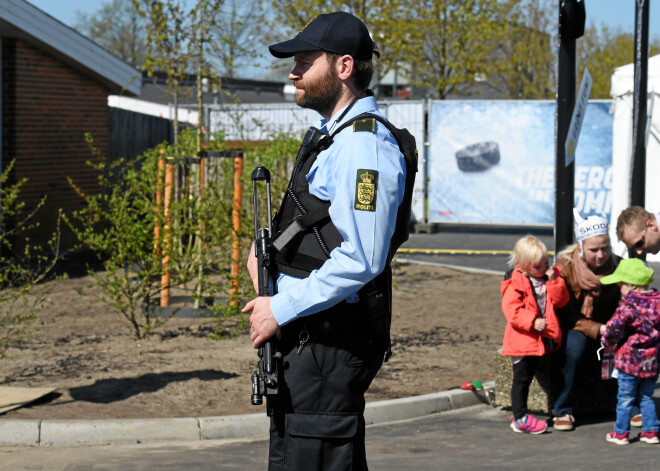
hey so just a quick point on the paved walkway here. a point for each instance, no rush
(477, 437)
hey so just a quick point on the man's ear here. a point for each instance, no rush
(344, 67)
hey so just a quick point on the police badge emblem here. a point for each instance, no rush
(365, 190)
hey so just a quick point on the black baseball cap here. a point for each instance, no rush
(338, 33)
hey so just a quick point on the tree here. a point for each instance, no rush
(118, 28)
(169, 34)
(602, 50)
(526, 56)
(454, 43)
(238, 26)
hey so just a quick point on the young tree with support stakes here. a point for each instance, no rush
(176, 42)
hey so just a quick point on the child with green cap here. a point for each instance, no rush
(634, 331)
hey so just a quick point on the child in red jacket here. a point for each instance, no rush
(530, 296)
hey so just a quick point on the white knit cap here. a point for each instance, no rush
(587, 228)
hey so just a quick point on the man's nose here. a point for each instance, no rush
(295, 73)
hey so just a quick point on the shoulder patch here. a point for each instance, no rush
(367, 124)
(366, 184)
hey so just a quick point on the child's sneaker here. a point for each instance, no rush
(531, 425)
(649, 437)
(564, 423)
(618, 438)
(636, 421)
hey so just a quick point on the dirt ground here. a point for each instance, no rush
(447, 328)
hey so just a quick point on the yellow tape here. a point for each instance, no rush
(461, 251)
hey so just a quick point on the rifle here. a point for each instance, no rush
(265, 379)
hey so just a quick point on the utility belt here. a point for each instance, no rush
(344, 325)
(340, 320)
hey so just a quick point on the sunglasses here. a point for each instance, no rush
(640, 243)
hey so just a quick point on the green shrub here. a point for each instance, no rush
(24, 267)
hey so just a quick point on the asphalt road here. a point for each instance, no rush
(478, 249)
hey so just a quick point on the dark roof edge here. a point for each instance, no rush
(53, 34)
(190, 80)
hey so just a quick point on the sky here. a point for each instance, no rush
(613, 13)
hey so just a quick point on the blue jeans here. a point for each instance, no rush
(631, 388)
(575, 345)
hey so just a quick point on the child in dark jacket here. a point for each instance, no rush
(634, 331)
(529, 299)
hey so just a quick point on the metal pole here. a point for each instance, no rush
(638, 161)
(564, 174)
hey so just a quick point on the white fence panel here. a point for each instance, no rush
(263, 121)
(410, 115)
(258, 122)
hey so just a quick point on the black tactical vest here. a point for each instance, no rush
(304, 235)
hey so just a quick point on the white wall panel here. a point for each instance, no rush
(263, 121)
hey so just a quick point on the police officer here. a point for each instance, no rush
(333, 278)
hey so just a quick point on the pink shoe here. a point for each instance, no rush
(531, 425)
(618, 438)
(649, 437)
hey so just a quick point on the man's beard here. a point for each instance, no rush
(321, 95)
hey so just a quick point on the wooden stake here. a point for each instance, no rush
(167, 235)
(236, 220)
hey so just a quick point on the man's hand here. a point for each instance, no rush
(262, 322)
(253, 268)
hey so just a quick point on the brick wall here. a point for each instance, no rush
(47, 107)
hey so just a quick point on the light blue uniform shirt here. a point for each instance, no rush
(367, 234)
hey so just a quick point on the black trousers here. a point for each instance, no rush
(523, 374)
(318, 422)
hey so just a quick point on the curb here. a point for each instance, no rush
(232, 427)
